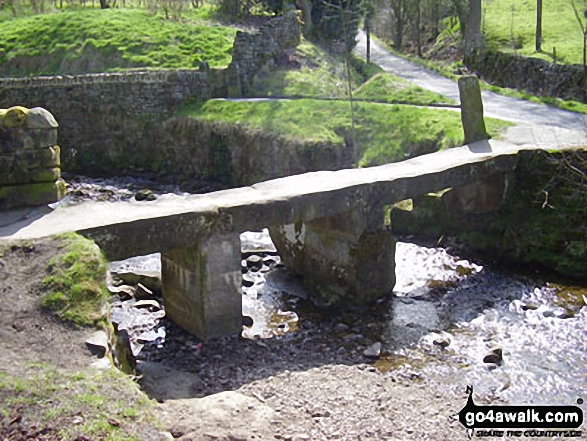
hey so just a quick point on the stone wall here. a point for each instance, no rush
(251, 51)
(537, 76)
(30, 166)
(114, 123)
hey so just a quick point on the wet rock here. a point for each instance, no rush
(248, 280)
(145, 194)
(123, 355)
(151, 305)
(494, 356)
(254, 261)
(373, 351)
(148, 279)
(491, 366)
(341, 327)
(98, 343)
(443, 342)
(224, 416)
(162, 382)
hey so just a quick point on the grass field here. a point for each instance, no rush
(510, 25)
(384, 133)
(59, 42)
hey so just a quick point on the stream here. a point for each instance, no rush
(445, 315)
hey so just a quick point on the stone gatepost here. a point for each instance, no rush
(30, 172)
(472, 109)
(202, 286)
(345, 260)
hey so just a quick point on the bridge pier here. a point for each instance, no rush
(346, 260)
(202, 284)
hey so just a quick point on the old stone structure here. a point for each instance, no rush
(30, 165)
(107, 117)
(332, 219)
(254, 50)
(537, 76)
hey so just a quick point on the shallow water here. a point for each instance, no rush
(444, 315)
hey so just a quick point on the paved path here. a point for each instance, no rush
(537, 123)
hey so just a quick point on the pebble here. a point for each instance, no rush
(373, 351)
(494, 356)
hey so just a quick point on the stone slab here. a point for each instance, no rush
(120, 228)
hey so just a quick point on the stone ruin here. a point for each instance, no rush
(30, 165)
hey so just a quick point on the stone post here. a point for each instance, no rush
(345, 260)
(202, 286)
(30, 166)
(472, 109)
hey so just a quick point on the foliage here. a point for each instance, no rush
(336, 22)
(118, 38)
(384, 133)
(87, 404)
(509, 26)
(311, 72)
(76, 284)
(385, 87)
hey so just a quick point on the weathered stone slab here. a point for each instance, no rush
(201, 286)
(31, 159)
(12, 196)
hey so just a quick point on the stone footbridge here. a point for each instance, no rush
(328, 226)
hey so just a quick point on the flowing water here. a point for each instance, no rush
(443, 317)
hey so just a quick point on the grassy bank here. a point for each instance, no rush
(95, 40)
(76, 285)
(74, 405)
(510, 25)
(383, 133)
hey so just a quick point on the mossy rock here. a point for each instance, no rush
(13, 117)
(20, 175)
(14, 196)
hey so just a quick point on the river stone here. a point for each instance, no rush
(373, 351)
(98, 343)
(412, 319)
(494, 356)
(147, 278)
(224, 416)
(39, 118)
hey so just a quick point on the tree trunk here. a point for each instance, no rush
(418, 30)
(306, 6)
(368, 32)
(104, 4)
(473, 39)
(538, 25)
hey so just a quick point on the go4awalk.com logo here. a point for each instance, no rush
(521, 421)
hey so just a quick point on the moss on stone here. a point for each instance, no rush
(13, 117)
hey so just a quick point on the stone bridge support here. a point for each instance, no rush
(202, 286)
(346, 259)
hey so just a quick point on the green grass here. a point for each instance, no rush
(560, 28)
(310, 72)
(76, 288)
(385, 87)
(384, 133)
(87, 404)
(97, 40)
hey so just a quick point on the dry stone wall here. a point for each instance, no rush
(537, 76)
(114, 123)
(30, 163)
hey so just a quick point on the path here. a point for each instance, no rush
(537, 123)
